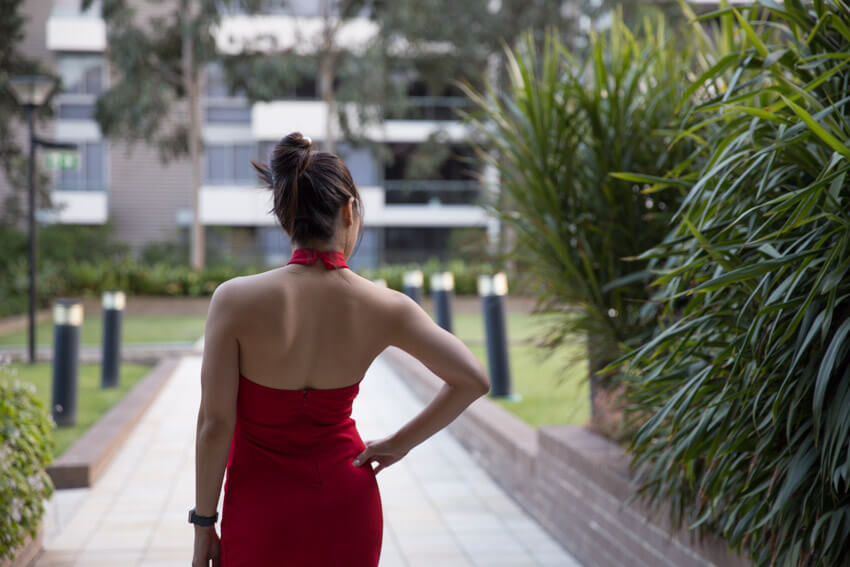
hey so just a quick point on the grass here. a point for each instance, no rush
(92, 401)
(135, 329)
(520, 326)
(553, 389)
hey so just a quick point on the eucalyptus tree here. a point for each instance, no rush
(12, 159)
(159, 56)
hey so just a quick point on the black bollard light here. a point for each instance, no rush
(442, 288)
(413, 285)
(110, 367)
(492, 290)
(67, 319)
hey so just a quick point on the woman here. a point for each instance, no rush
(284, 353)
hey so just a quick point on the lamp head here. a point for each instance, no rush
(31, 90)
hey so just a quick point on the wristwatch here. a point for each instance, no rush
(202, 520)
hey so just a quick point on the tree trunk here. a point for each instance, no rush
(606, 395)
(191, 84)
(326, 76)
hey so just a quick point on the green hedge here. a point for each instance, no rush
(26, 448)
(91, 278)
(465, 275)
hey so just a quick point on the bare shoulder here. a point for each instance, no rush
(392, 304)
(228, 294)
(387, 295)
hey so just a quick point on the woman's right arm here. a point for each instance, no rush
(466, 380)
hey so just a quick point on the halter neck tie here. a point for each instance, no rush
(331, 258)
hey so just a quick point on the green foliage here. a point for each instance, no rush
(59, 246)
(147, 56)
(84, 261)
(13, 157)
(555, 136)
(164, 252)
(26, 448)
(743, 393)
(465, 275)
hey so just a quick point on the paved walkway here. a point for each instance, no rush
(440, 507)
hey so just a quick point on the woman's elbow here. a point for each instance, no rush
(210, 426)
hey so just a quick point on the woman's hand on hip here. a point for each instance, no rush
(383, 451)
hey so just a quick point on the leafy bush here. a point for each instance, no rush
(743, 394)
(465, 275)
(26, 448)
(59, 246)
(165, 252)
(91, 278)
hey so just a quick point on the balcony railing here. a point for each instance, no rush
(79, 185)
(427, 108)
(431, 191)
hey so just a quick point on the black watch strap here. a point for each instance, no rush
(202, 520)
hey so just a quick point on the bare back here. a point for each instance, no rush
(304, 326)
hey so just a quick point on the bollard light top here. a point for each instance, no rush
(496, 284)
(413, 278)
(380, 281)
(442, 281)
(485, 284)
(114, 299)
(500, 283)
(68, 313)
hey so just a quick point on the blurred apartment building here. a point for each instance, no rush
(147, 200)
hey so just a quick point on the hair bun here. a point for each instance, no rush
(297, 141)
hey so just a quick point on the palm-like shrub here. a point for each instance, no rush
(747, 381)
(554, 136)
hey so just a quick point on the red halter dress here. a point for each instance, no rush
(292, 495)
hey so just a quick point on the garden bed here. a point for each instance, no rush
(86, 459)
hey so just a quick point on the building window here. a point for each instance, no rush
(90, 174)
(81, 73)
(415, 244)
(76, 111)
(230, 164)
(216, 85)
(228, 114)
(72, 8)
(83, 80)
(266, 147)
(361, 163)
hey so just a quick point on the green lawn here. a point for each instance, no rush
(92, 401)
(470, 326)
(553, 390)
(135, 329)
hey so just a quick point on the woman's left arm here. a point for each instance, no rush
(217, 412)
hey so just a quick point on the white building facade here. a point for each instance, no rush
(147, 200)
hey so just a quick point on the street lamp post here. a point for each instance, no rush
(31, 227)
(31, 92)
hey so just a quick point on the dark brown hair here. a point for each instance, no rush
(309, 189)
